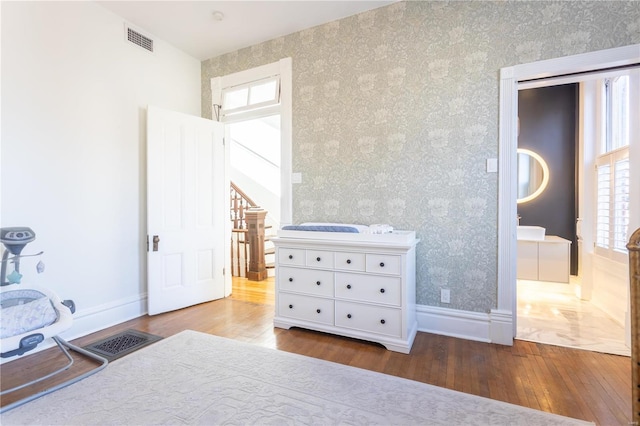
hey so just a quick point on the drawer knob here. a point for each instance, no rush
(317, 282)
(382, 290)
(349, 286)
(290, 256)
(318, 310)
(382, 321)
(290, 306)
(290, 280)
(349, 261)
(348, 315)
(318, 259)
(382, 264)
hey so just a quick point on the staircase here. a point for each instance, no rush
(250, 224)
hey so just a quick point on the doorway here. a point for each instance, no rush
(592, 319)
(255, 107)
(562, 313)
(510, 78)
(255, 181)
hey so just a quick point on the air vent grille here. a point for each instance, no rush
(137, 38)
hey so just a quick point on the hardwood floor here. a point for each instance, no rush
(571, 382)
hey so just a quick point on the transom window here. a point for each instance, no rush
(251, 96)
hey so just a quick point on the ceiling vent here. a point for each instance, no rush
(138, 39)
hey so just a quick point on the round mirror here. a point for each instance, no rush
(533, 175)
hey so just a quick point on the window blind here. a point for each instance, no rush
(620, 206)
(603, 205)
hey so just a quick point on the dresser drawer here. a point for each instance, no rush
(384, 264)
(320, 259)
(287, 256)
(369, 288)
(306, 308)
(350, 261)
(308, 281)
(370, 318)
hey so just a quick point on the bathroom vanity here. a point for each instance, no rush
(356, 285)
(547, 259)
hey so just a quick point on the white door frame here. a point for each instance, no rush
(503, 332)
(283, 68)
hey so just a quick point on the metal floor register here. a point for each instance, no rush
(121, 344)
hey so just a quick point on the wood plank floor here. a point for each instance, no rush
(571, 382)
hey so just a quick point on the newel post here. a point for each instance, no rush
(634, 280)
(254, 219)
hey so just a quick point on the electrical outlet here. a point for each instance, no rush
(445, 295)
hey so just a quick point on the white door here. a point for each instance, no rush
(185, 210)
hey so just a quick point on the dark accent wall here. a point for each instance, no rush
(548, 118)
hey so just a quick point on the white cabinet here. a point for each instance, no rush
(357, 286)
(546, 260)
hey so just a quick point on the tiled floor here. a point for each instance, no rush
(547, 315)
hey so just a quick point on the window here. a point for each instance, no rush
(251, 96)
(616, 113)
(612, 171)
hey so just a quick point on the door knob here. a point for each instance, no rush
(156, 240)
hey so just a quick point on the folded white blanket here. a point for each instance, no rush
(380, 229)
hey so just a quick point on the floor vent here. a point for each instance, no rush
(138, 39)
(122, 344)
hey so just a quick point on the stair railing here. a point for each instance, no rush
(247, 236)
(240, 203)
(257, 270)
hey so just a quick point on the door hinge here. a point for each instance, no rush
(224, 272)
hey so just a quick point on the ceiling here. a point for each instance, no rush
(192, 27)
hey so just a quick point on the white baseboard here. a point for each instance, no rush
(87, 321)
(502, 327)
(495, 327)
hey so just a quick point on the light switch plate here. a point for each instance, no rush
(492, 165)
(296, 177)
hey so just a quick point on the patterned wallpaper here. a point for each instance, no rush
(395, 112)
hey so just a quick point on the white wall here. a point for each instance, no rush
(610, 287)
(74, 96)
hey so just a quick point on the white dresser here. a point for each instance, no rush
(355, 285)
